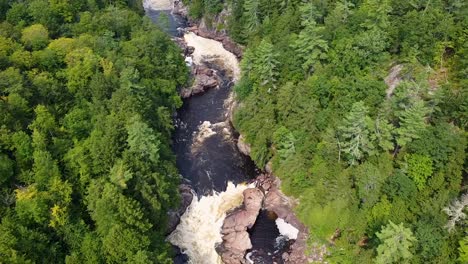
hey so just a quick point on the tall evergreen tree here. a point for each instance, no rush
(396, 243)
(310, 47)
(412, 123)
(354, 134)
(266, 63)
(251, 16)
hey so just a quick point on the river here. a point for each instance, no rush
(208, 159)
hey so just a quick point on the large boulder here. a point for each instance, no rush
(205, 78)
(253, 199)
(236, 240)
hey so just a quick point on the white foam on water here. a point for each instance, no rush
(208, 48)
(200, 226)
(286, 229)
(158, 4)
(247, 257)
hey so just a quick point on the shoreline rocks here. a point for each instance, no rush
(187, 195)
(266, 195)
(204, 79)
(243, 147)
(276, 202)
(236, 240)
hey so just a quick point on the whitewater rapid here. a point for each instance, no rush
(212, 50)
(165, 5)
(199, 230)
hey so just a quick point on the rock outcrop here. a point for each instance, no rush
(204, 79)
(236, 240)
(393, 79)
(180, 9)
(186, 194)
(275, 201)
(243, 147)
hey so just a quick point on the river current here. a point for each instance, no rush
(208, 159)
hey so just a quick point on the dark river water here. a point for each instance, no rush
(209, 164)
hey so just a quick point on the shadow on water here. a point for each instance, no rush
(267, 243)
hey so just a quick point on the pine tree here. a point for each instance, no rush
(310, 47)
(251, 12)
(396, 243)
(455, 212)
(266, 63)
(412, 123)
(383, 134)
(354, 134)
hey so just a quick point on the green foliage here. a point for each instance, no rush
(419, 169)
(463, 249)
(35, 37)
(261, 65)
(320, 103)
(251, 15)
(355, 135)
(396, 243)
(369, 181)
(412, 123)
(143, 141)
(86, 172)
(285, 143)
(6, 168)
(310, 48)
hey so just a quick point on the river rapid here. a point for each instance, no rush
(207, 155)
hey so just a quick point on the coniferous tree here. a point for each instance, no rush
(412, 123)
(396, 243)
(310, 47)
(251, 16)
(266, 63)
(354, 134)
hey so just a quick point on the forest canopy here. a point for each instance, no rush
(361, 108)
(87, 90)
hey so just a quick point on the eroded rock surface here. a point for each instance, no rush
(275, 201)
(236, 240)
(204, 79)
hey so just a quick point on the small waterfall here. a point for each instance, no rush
(199, 230)
(212, 50)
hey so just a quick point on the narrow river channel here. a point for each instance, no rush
(208, 159)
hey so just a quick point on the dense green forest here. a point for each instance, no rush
(379, 173)
(87, 90)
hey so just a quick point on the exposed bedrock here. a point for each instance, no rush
(204, 79)
(236, 240)
(275, 201)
